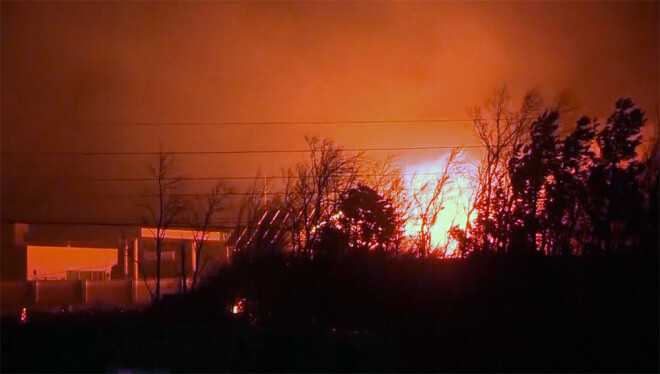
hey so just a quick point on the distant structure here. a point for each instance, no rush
(13, 251)
(47, 269)
(137, 257)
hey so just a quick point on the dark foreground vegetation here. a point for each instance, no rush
(371, 313)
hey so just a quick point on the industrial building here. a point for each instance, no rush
(45, 270)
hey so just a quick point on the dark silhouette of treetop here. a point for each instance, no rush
(368, 220)
(581, 194)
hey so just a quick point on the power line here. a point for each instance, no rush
(187, 194)
(225, 225)
(293, 123)
(147, 179)
(75, 223)
(198, 194)
(235, 152)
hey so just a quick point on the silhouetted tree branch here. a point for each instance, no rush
(166, 209)
(428, 199)
(312, 190)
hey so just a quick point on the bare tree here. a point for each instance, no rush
(167, 208)
(502, 132)
(467, 202)
(428, 199)
(201, 218)
(313, 189)
(389, 181)
(252, 208)
(468, 197)
(297, 195)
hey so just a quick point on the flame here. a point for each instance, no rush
(238, 307)
(456, 201)
(24, 315)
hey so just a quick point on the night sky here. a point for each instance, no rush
(78, 76)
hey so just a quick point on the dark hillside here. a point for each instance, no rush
(373, 314)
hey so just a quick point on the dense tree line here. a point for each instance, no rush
(541, 187)
(589, 192)
(534, 191)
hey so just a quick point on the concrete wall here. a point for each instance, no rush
(15, 294)
(58, 293)
(115, 293)
(143, 290)
(53, 295)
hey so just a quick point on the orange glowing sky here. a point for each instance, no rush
(69, 67)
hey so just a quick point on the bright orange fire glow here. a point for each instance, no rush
(53, 262)
(238, 307)
(456, 200)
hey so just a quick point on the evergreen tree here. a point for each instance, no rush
(531, 172)
(617, 201)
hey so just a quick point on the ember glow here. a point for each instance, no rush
(238, 307)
